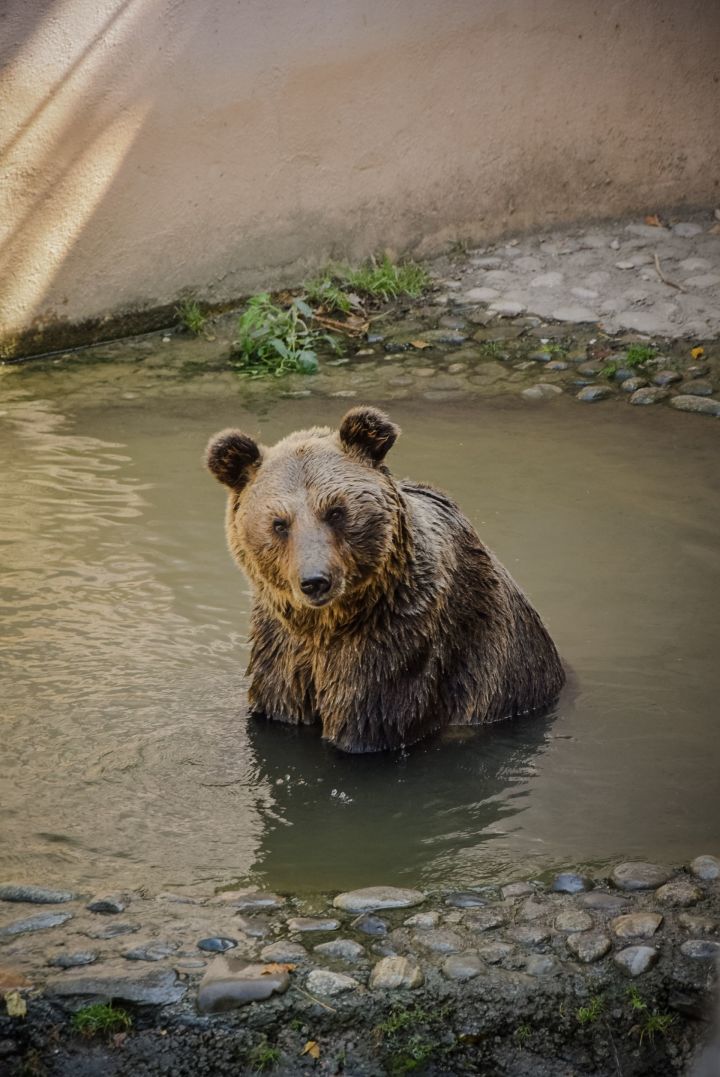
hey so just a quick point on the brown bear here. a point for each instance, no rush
(377, 610)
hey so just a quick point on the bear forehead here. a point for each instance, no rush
(309, 461)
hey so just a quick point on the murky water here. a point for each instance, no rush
(126, 754)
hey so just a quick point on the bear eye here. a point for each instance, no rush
(335, 515)
(280, 527)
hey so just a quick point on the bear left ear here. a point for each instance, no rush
(368, 432)
(233, 457)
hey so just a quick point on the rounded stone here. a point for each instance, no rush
(229, 983)
(697, 924)
(531, 910)
(603, 902)
(542, 965)
(567, 882)
(217, 944)
(541, 391)
(73, 961)
(589, 946)
(311, 923)
(484, 919)
(440, 941)
(108, 904)
(591, 393)
(637, 925)
(649, 395)
(590, 368)
(631, 385)
(378, 897)
(370, 925)
(699, 404)
(155, 951)
(463, 966)
(700, 949)
(495, 952)
(696, 387)
(514, 890)
(35, 923)
(678, 894)
(466, 899)
(573, 920)
(283, 951)
(254, 926)
(325, 982)
(394, 972)
(342, 949)
(706, 867)
(36, 895)
(666, 377)
(423, 920)
(639, 875)
(634, 960)
(529, 934)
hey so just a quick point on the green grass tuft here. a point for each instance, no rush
(587, 1015)
(384, 280)
(274, 340)
(100, 1018)
(190, 314)
(264, 1057)
(639, 354)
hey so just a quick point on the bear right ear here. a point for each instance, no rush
(368, 432)
(232, 457)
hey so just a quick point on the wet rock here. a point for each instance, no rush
(378, 897)
(284, 951)
(531, 910)
(112, 931)
(515, 890)
(35, 923)
(311, 923)
(574, 313)
(486, 262)
(257, 927)
(649, 395)
(631, 385)
(590, 368)
(678, 894)
(541, 391)
(217, 944)
(74, 960)
(572, 920)
(495, 952)
(229, 982)
(108, 904)
(248, 899)
(508, 308)
(706, 867)
(623, 374)
(636, 925)
(666, 377)
(557, 364)
(36, 895)
(697, 924)
(466, 899)
(480, 295)
(423, 920)
(485, 919)
(370, 925)
(697, 370)
(444, 336)
(698, 404)
(635, 960)
(128, 983)
(639, 875)
(700, 949)
(325, 982)
(529, 934)
(603, 902)
(440, 941)
(394, 972)
(341, 949)
(696, 387)
(567, 882)
(589, 946)
(463, 966)
(687, 229)
(542, 965)
(457, 368)
(154, 951)
(592, 393)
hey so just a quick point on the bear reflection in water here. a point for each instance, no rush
(377, 610)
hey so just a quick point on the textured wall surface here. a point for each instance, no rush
(152, 146)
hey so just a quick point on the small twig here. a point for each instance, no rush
(313, 999)
(664, 279)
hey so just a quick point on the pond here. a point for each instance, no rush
(127, 755)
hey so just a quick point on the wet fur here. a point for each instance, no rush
(425, 628)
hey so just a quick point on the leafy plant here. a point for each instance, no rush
(100, 1018)
(190, 314)
(639, 354)
(587, 1015)
(650, 1021)
(522, 1034)
(264, 1057)
(385, 280)
(278, 340)
(326, 291)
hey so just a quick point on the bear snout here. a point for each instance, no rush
(315, 586)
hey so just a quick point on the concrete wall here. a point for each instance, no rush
(156, 146)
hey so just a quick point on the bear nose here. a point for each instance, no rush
(315, 586)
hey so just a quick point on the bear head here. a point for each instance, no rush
(313, 519)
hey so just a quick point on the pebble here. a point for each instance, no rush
(480, 295)
(36, 895)
(567, 882)
(155, 951)
(699, 404)
(698, 925)
(257, 927)
(488, 262)
(229, 982)
(108, 903)
(636, 925)
(529, 934)
(112, 931)
(573, 920)
(635, 960)
(370, 925)
(485, 919)
(423, 920)
(457, 368)
(542, 965)
(678, 893)
(573, 313)
(590, 368)
(515, 890)
(700, 949)
(541, 391)
(697, 370)
(508, 309)
(706, 867)
(217, 944)
(394, 972)
(589, 946)
(666, 377)
(495, 952)
(440, 941)
(75, 960)
(531, 910)
(591, 393)
(687, 229)
(649, 395)
(128, 983)
(696, 387)
(35, 923)
(466, 899)
(378, 897)
(463, 966)
(248, 899)
(639, 875)
(557, 364)
(342, 949)
(325, 982)
(284, 951)
(631, 385)
(310, 923)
